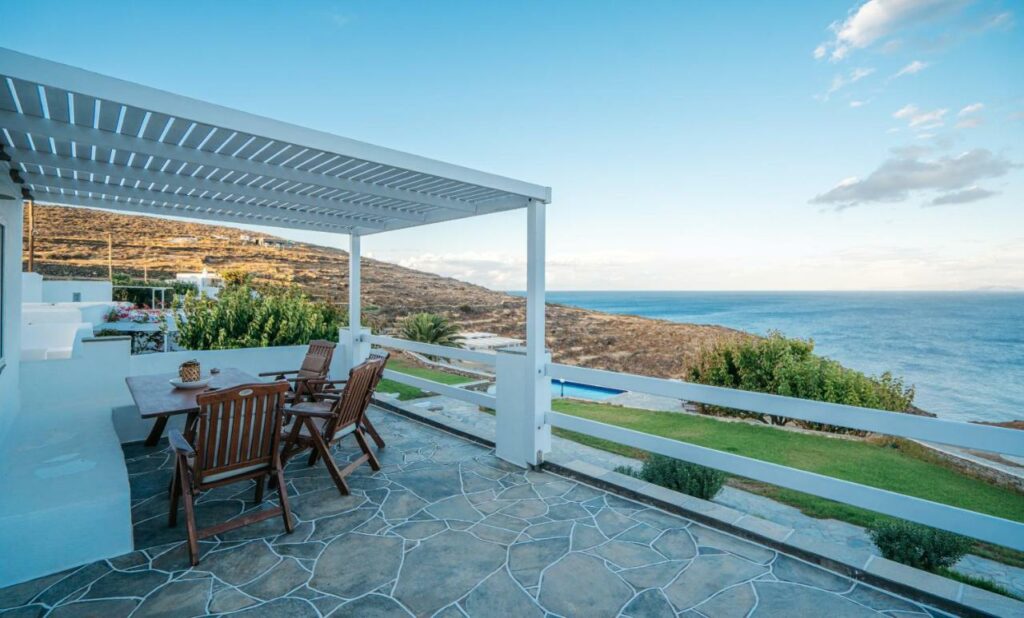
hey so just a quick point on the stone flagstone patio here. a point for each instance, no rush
(444, 529)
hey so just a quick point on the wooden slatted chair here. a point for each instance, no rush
(234, 437)
(334, 387)
(315, 366)
(320, 425)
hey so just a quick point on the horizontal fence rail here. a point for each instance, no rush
(977, 525)
(430, 349)
(953, 433)
(476, 397)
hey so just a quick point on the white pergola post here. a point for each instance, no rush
(523, 435)
(356, 350)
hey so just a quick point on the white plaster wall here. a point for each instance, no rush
(31, 288)
(10, 296)
(55, 291)
(53, 340)
(55, 330)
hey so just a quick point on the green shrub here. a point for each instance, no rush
(688, 478)
(781, 366)
(431, 328)
(243, 318)
(236, 276)
(918, 546)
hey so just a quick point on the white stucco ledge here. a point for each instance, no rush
(66, 495)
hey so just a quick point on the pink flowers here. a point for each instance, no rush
(124, 312)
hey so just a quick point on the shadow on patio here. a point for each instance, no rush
(445, 528)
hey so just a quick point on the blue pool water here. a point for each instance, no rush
(581, 391)
(964, 351)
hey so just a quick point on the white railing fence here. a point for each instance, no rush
(448, 390)
(967, 435)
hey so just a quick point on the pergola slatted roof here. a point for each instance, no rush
(81, 138)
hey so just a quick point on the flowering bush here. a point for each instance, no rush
(123, 312)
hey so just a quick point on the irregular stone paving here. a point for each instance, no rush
(445, 529)
(467, 417)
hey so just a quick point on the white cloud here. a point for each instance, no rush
(500, 271)
(908, 172)
(968, 116)
(970, 194)
(858, 103)
(876, 20)
(914, 67)
(841, 81)
(919, 119)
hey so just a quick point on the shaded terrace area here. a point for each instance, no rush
(445, 528)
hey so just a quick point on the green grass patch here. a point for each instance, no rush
(406, 392)
(979, 582)
(884, 467)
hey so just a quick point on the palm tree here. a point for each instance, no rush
(431, 328)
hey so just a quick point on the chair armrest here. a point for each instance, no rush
(276, 373)
(326, 395)
(324, 381)
(316, 413)
(179, 444)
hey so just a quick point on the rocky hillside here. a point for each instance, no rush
(73, 242)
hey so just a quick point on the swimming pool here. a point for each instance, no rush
(582, 391)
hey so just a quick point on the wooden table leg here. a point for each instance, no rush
(157, 432)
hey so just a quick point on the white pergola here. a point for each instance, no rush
(71, 136)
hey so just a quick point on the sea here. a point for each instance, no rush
(962, 351)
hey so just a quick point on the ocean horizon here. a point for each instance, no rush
(962, 351)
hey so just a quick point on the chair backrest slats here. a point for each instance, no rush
(238, 428)
(317, 361)
(355, 398)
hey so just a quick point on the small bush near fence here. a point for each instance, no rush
(242, 318)
(781, 366)
(918, 546)
(688, 478)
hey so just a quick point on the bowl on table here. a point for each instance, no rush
(194, 384)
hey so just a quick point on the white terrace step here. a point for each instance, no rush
(65, 499)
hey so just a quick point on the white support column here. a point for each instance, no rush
(354, 283)
(523, 389)
(355, 347)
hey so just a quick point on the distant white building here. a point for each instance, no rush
(209, 284)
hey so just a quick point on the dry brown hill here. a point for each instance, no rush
(73, 242)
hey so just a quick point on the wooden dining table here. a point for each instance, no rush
(157, 399)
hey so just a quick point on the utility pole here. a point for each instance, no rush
(31, 236)
(110, 256)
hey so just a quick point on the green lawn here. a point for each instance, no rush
(406, 392)
(905, 471)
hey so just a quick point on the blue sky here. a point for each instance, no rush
(792, 145)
